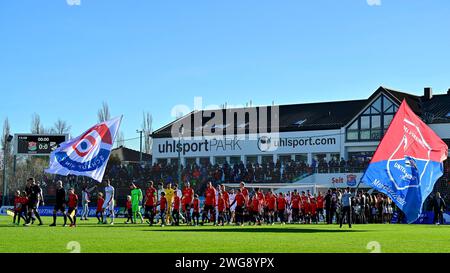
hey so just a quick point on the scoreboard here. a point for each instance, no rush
(29, 144)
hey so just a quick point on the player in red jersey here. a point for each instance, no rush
(266, 216)
(307, 210)
(320, 206)
(162, 208)
(196, 210)
(188, 198)
(295, 205)
(129, 208)
(226, 198)
(99, 212)
(73, 205)
(176, 209)
(150, 202)
(17, 208)
(313, 210)
(255, 211)
(239, 200)
(24, 206)
(281, 207)
(262, 200)
(210, 204)
(303, 205)
(271, 201)
(221, 208)
(244, 191)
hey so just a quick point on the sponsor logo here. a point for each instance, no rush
(212, 145)
(351, 180)
(266, 144)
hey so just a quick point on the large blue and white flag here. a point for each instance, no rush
(88, 154)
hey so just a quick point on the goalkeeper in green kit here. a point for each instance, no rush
(136, 201)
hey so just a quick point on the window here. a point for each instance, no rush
(387, 120)
(374, 121)
(376, 106)
(352, 131)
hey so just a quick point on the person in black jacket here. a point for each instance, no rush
(328, 207)
(60, 203)
(34, 199)
(439, 208)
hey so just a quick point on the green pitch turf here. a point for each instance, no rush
(122, 238)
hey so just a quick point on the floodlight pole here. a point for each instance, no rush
(180, 134)
(140, 149)
(5, 187)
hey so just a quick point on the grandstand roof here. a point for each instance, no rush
(331, 115)
(129, 155)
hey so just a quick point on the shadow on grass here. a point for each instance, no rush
(257, 230)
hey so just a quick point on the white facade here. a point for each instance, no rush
(358, 137)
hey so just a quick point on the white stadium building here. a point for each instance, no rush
(310, 132)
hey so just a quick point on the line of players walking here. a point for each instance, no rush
(171, 206)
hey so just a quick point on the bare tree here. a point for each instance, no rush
(6, 132)
(6, 148)
(36, 124)
(103, 113)
(147, 128)
(61, 127)
(120, 140)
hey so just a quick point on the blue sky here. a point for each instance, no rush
(63, 61)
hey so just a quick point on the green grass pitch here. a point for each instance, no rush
(122, 238)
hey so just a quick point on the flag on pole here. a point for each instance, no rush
(407, 163)
(88, 154)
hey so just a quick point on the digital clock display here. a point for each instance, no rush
(38, 144)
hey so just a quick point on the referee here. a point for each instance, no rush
(60, 203)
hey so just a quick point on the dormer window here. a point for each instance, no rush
(373, 122)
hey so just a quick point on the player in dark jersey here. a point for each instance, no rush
(163, 208)
(34, 197)
(60, 205)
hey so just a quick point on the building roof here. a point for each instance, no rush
(335, 114)
(437, 110)
(129, 155)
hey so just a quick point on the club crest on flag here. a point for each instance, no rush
(409, 162)
(88, 154)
